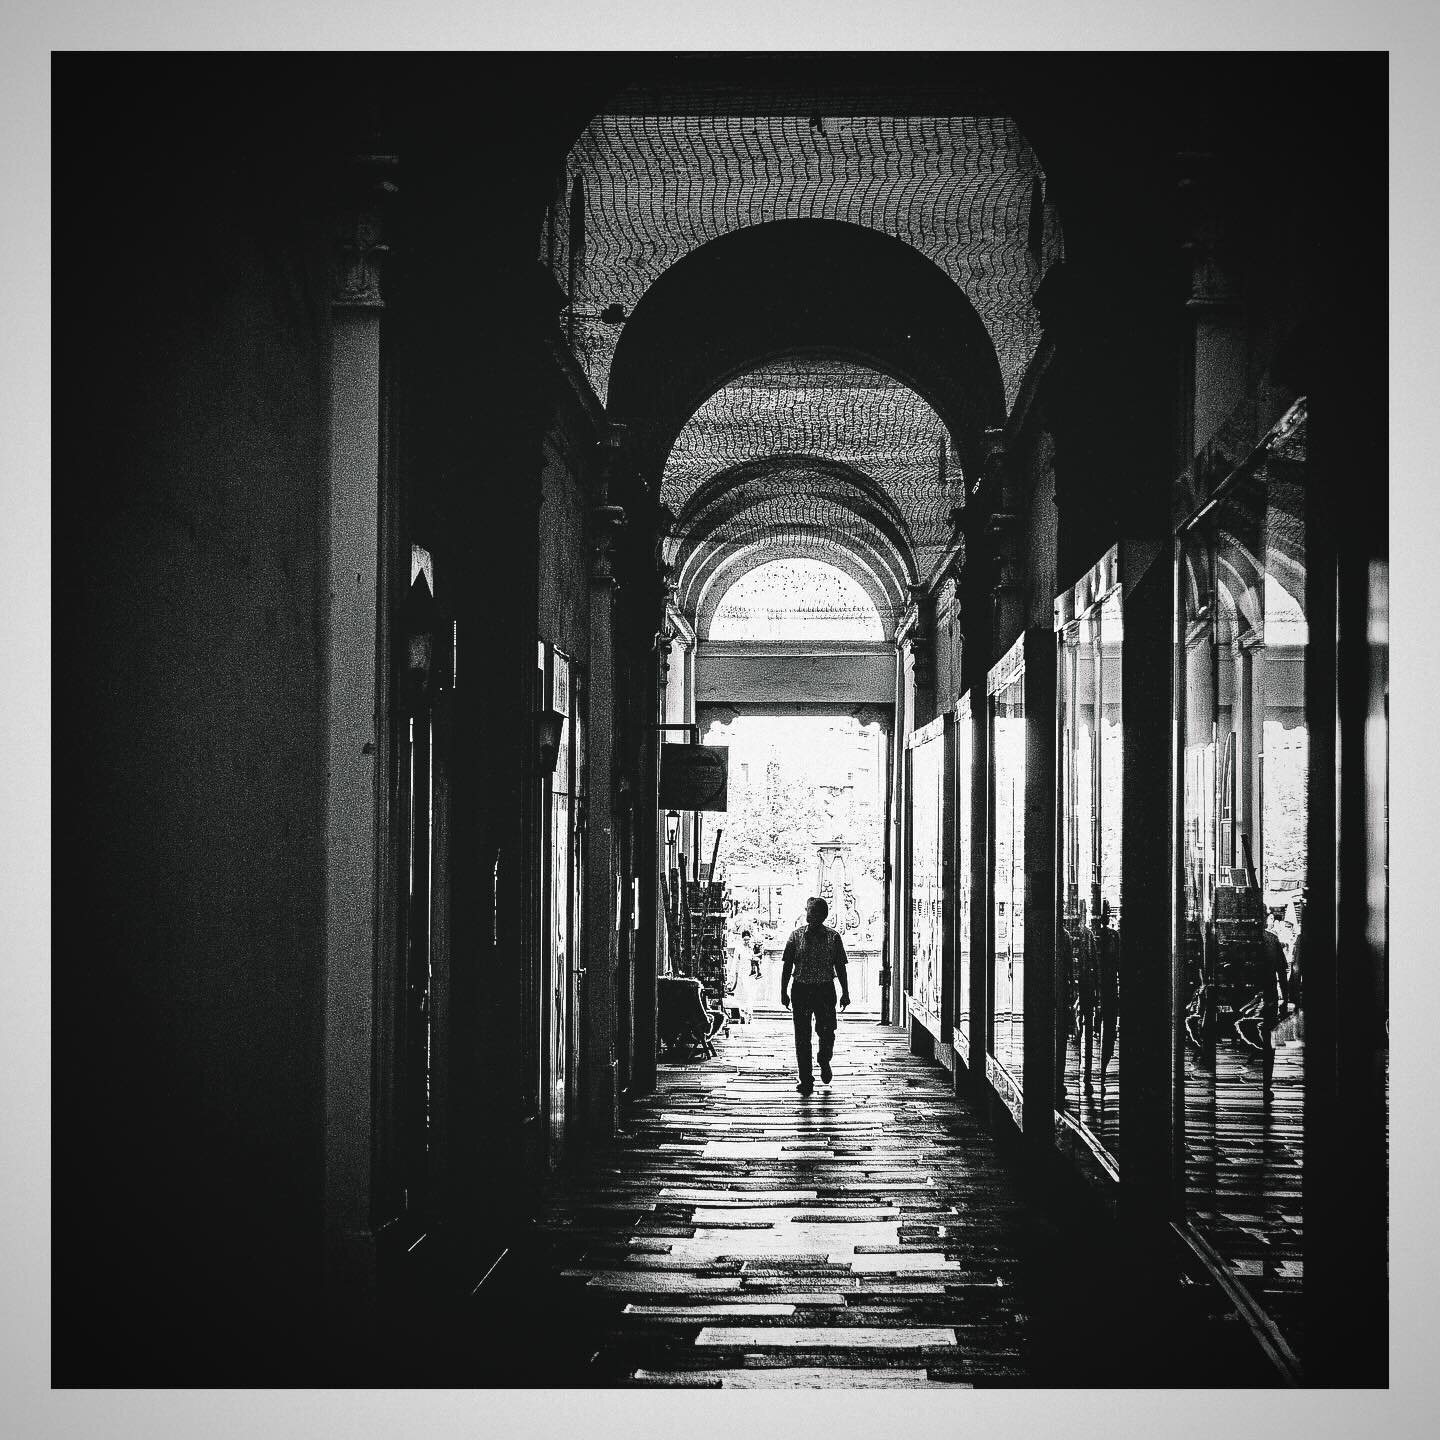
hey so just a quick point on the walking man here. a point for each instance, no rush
(815, 956)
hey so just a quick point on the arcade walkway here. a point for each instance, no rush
(874, 1234)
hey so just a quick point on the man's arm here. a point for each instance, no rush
(839, 961)
(785, 971)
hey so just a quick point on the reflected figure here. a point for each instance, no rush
(1087, 988)
(1257, 1019)
(1067, 1006)
(1098, 970)
(1107, 948)
(1199, 943)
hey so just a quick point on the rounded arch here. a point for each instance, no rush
(726, 568)
(807, 406)
(802, 287)
(783, 507)
(816, 578)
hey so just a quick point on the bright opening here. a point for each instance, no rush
(806, 817)
(796, 600)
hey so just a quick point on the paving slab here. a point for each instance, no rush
(738, 1235)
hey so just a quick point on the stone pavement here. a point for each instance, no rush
(872, 1234)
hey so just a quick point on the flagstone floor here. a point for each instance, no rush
(873, 1234)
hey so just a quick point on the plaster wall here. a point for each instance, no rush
(841, 678)
(189, 897)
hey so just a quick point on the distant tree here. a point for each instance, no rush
(773, 822)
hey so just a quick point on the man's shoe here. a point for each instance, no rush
(825, 1076)
(806, 1087)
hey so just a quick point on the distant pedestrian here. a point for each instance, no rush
(815, 956)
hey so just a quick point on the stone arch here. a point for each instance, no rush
(718, 597)
(795, 287)
(787, 507)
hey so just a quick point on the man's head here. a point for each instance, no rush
(744, 934)
(816, 910)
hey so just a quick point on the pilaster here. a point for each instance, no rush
(600, 1019)
(356, 720)
(1217, 359)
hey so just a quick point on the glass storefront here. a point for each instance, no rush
(1007, 871)
(1088, 927)
(927, 780)
(1243, 779)
(964, 764)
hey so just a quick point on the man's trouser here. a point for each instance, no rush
(817, 1001)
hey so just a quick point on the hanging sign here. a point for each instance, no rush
(694, 777)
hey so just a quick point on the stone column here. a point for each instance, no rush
(1345, 955)
(1039, 985)
(1147, 985)
(650, 852)
(1217, 358)
(355, 715)
(600, 1018)
(920, 644)
(1004, 522)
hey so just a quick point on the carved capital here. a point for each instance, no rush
(359, 241)
(921, 638)
(612, 462)
(1003, 534)
(880, 715)
(606, 522)
(1203, 232)
(922, 654)
(996, 473)
(664, 638)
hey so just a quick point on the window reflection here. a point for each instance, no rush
(1244, 767)
(927, 769)
(1088, 933)
(964, 755)
(1007, 742)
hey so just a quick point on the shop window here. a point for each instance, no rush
(964, 911)
(927, 779)
(1244, 767)
(1007, 876)
(1088, 927)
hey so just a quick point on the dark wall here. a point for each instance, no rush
(191, 331)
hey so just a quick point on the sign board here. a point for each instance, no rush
(694, 777)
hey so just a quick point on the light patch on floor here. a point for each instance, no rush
(907, 1260)
(660, 1283)
(710, 1312)
(787, 1237)
(797, 1377)
(826, 1337)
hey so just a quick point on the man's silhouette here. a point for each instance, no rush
(816, 958)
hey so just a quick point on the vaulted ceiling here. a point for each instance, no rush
(832, 443)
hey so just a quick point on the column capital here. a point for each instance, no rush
(1200, 202)
(367, 189)
(881, 715)
(606, 522)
